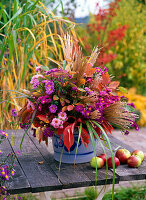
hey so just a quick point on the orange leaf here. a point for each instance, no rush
(114, 84)
(43, 118)
(55, 97)
(70, 107)
(105, 78)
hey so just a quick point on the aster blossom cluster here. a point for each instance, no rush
(6, 166)
(62, 98)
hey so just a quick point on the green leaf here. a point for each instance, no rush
(45, 68)
(123, 90)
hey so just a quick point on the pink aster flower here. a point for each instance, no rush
(62, 116)
(53, 108)
(30, 105)
(56, 123)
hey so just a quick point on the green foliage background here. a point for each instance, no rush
(131, 50)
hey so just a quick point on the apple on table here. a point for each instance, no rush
(104, 157)
(110, 163)
(134, 161)
(139, 153)
(123, 155)
(96, 161)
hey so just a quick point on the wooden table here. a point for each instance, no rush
(37, 171)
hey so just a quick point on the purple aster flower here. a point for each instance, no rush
(53, 108)
(48, 132)
(88, 90)
(51, 70)
(79, 108)
(12, 172)
(135, 126)
(98, 69)
(131, 104)
(90, 108)
(14, 113)
(86, 113)
(35, 84)
(99, 106)
(126, 132)
(43, 101)
(3, 134)
(0, 152)
(102, 93)
(48, 100)
(40, 107)
(49, 90)
(105, 69)
(38, 69)
(89, 79)
(74, 88)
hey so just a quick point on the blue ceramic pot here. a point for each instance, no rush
(83, 155)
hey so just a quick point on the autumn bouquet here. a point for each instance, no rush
(76, 94)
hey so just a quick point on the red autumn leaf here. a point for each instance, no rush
(62, 102)
(105, 78)
(66, 100)
(84, 137)
(70, 107)
(43, 118)
(68, 137)
(107, 127)
(113, 84)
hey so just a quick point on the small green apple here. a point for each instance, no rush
(139, 153)
(99, 161)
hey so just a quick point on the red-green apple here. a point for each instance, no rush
(110, 163)
(103, 157)
(99, 161)
(139, 153)
(123, 155)
(134, 161)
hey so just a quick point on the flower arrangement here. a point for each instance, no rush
(76, 94)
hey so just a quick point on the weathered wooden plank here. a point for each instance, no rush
(78, 175)
(40, 176)
(68, 175)
(19, 183)
(126, 173)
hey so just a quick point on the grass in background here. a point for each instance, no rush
(133, 193)
(30, 36)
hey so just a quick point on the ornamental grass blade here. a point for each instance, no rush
(89, 126)
(80, 130)
(108, 142)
